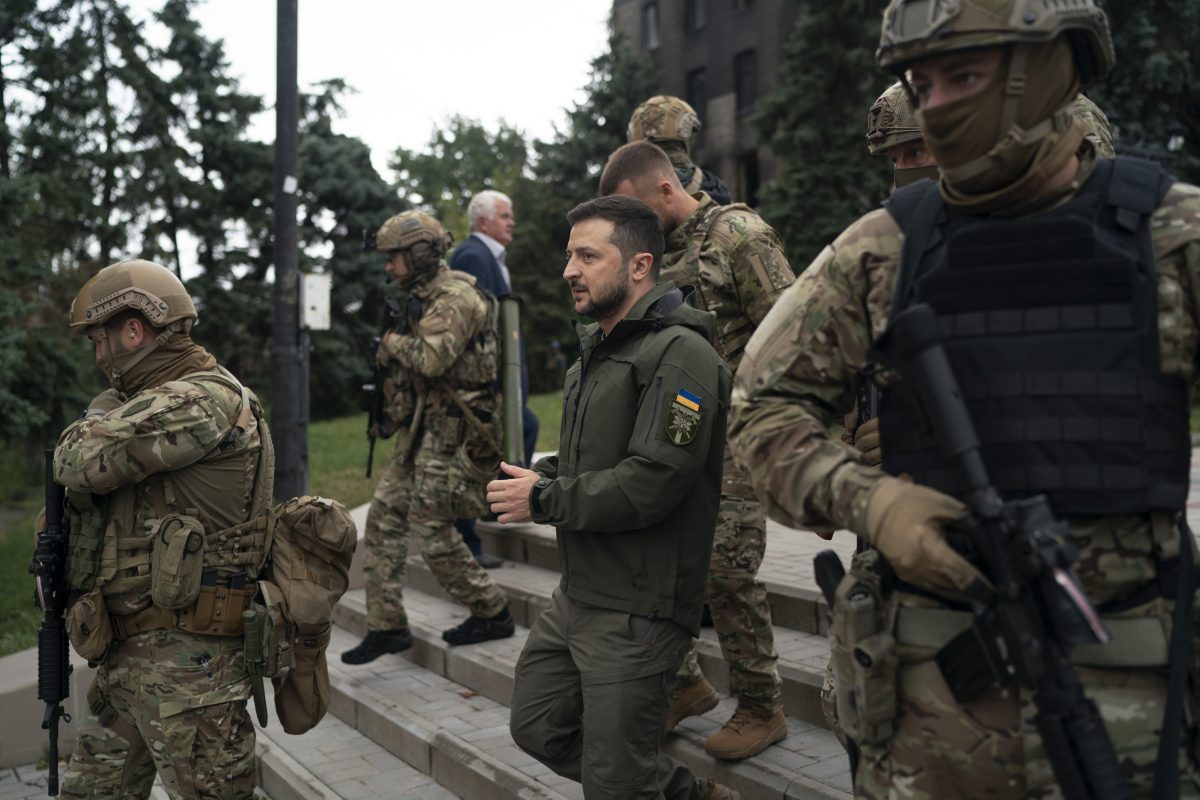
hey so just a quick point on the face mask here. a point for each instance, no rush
(996, 150)
(904, 177)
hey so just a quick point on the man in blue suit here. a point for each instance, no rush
(483, 254)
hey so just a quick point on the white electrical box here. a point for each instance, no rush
(314, 301)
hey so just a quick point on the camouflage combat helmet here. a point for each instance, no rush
(914, 29)
(417, 232)
(139, 285)
(890, 121)
(663, 118)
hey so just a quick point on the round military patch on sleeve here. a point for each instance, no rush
(682, 417)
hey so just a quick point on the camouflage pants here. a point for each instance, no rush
(738, 600)
(414, 498)
(180, 703)
(991, 748)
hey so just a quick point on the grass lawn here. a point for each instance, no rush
(337, 458)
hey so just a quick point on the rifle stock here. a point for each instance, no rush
(50, 595)
(1035, 612)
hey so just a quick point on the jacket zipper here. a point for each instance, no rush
(654, 412)
(585, 361)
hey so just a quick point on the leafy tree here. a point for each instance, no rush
(816, 124)
(565, 173)
(462, 159)
(1151, 96)
(341, 198)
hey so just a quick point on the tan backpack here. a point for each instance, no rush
(310, 544)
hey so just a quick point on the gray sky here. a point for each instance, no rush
(414, 62)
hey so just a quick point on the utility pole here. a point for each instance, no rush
(289, 361)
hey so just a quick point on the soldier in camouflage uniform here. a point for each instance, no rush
(737, 264)
(807, 360)
(672, 124)
(176, 444)
(441, 358)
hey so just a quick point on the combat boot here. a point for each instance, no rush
(481, 629)
(378, 643)
(691, 701)
(711, 790)
(746, 733)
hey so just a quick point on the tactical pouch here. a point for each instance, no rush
(468, 479)
(218, 607)
(267, 634)
(176, 561)
(303, 698)
(863, 654)
(89, 627)
(85, 526)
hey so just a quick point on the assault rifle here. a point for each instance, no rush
(49, 568)
(1035, 611)
(400, 313)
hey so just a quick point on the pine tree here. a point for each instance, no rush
(816, 124)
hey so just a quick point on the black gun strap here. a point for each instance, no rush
(916, 209)
(1166, 772)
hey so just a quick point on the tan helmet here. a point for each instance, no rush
(915, 29)
(136, 284)
(891, 121)
(417, 232)
(663, 118)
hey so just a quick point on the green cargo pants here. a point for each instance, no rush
(616, 671)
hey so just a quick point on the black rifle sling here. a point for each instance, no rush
(1166, 771)
(917, 209)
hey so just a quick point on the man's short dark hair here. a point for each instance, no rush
(636, 228)
(636, 162)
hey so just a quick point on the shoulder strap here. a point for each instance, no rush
(1135, 189)
(917, 209)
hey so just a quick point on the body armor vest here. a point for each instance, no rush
(111, 536)
(1051, 326)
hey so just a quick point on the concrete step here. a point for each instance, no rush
(802, 656)
(808, 764)
(334, 761)
(792, 592)
(444, 729)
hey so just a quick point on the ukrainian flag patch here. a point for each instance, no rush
(687, 400)
(682, 420)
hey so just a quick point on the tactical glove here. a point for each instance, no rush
(866, 439)
(905, 523)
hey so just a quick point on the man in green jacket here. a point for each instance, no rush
(633, 494)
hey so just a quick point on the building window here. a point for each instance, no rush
(650, 26)
(745, 80)
(696, 92)
(695, 15)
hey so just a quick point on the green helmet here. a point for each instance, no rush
(663, 118)
(915, 29)
(143, 286)
(417, 232)
(891, 121)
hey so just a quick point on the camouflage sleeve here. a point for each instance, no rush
(158, 430)
(801, 372)
(1175, 231)
(440, 337)
(761, 272)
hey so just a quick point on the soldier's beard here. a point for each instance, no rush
(606, 299)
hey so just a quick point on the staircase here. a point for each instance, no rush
(433, 722)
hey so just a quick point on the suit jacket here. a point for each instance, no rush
(473, 257)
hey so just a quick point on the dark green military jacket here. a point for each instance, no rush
(634, 488)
